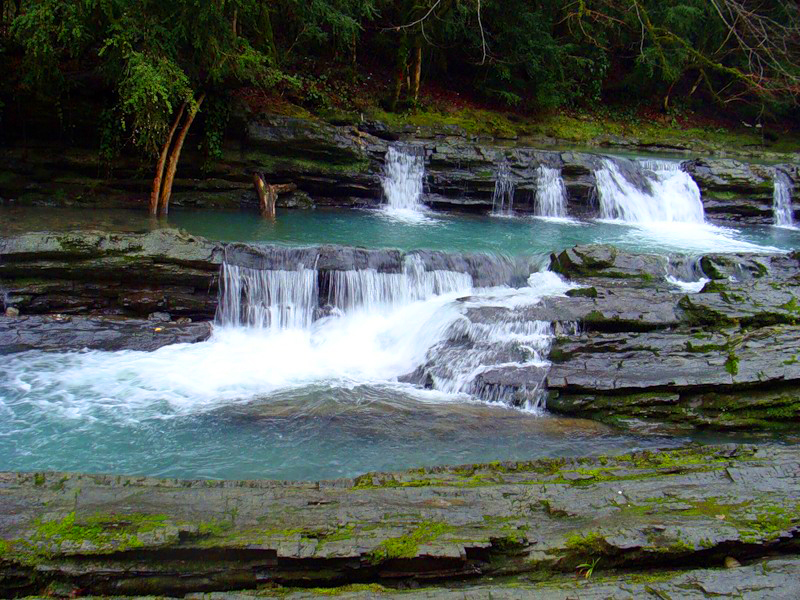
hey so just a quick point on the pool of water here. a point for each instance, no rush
(319, 401)
(374, 228)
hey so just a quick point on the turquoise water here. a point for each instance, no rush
(316, 403)
(371, 228)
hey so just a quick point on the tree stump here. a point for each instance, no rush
(268, 194)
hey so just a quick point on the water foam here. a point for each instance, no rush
(666, 194)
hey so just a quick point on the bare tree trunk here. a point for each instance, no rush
(234, 23)
(166, 192)
(268, 195)
(417, 71)
(155, 194)
(266, 201)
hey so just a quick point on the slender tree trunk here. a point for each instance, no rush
(155, 193)
(234, 23)
(172, 166)
(417, 70)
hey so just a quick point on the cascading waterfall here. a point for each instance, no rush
(498, 337)
(399, 321)
(404, 171)
(503, 195)
(665, 193)
(551, 193)
(782, 200)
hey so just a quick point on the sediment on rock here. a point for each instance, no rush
(657, 511)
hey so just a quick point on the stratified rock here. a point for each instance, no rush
(651, 512)
(66, 333)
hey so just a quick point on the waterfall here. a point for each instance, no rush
(404, 171)
(496, 353)
(647, 192)
(782, 200)
(284, 299)
(267, 299)
(551, 194)
(503, 196)
(368, 289)
(365, 324)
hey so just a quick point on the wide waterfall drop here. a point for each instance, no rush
(503, 195)
(551, 193)
(404, 172)
(650, 191)
(782, 200)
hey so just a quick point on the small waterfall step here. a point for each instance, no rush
(649, 191)
(402, 181)
(504, 187)
(551, 193)
(782, 200)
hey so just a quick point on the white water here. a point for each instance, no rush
(385, 327)
(782, 200)
(551, 194)
(690, 287)
(404, 171)
(503, 195)
(673, 195)
(508, 340)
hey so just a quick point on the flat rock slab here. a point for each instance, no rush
(115, 535)
(66, 333)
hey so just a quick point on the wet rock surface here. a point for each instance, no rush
(68, 333)
(723, 358)
(650, 514)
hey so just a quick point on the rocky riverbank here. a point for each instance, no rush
(341, 165)
(649, 521)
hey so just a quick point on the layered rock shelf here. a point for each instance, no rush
(342, 165)
(531, 526)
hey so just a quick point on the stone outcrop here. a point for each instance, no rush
(737, 191)
(723, 358)
(62, 333)
(341, 165)
(168, 270)
(540, 521)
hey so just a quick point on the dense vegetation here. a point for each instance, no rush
(156, 63)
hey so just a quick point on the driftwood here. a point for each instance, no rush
(268, 194)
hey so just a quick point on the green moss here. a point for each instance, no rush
(792, 306)
(106, 533)
(732, 363)
(38, 479)
(588, 292)
(407, 546)
(373, 588)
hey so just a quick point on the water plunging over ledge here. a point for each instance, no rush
(649, 191)
(404, 172)
(551, 194)
(503, 195)
(782, 200)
